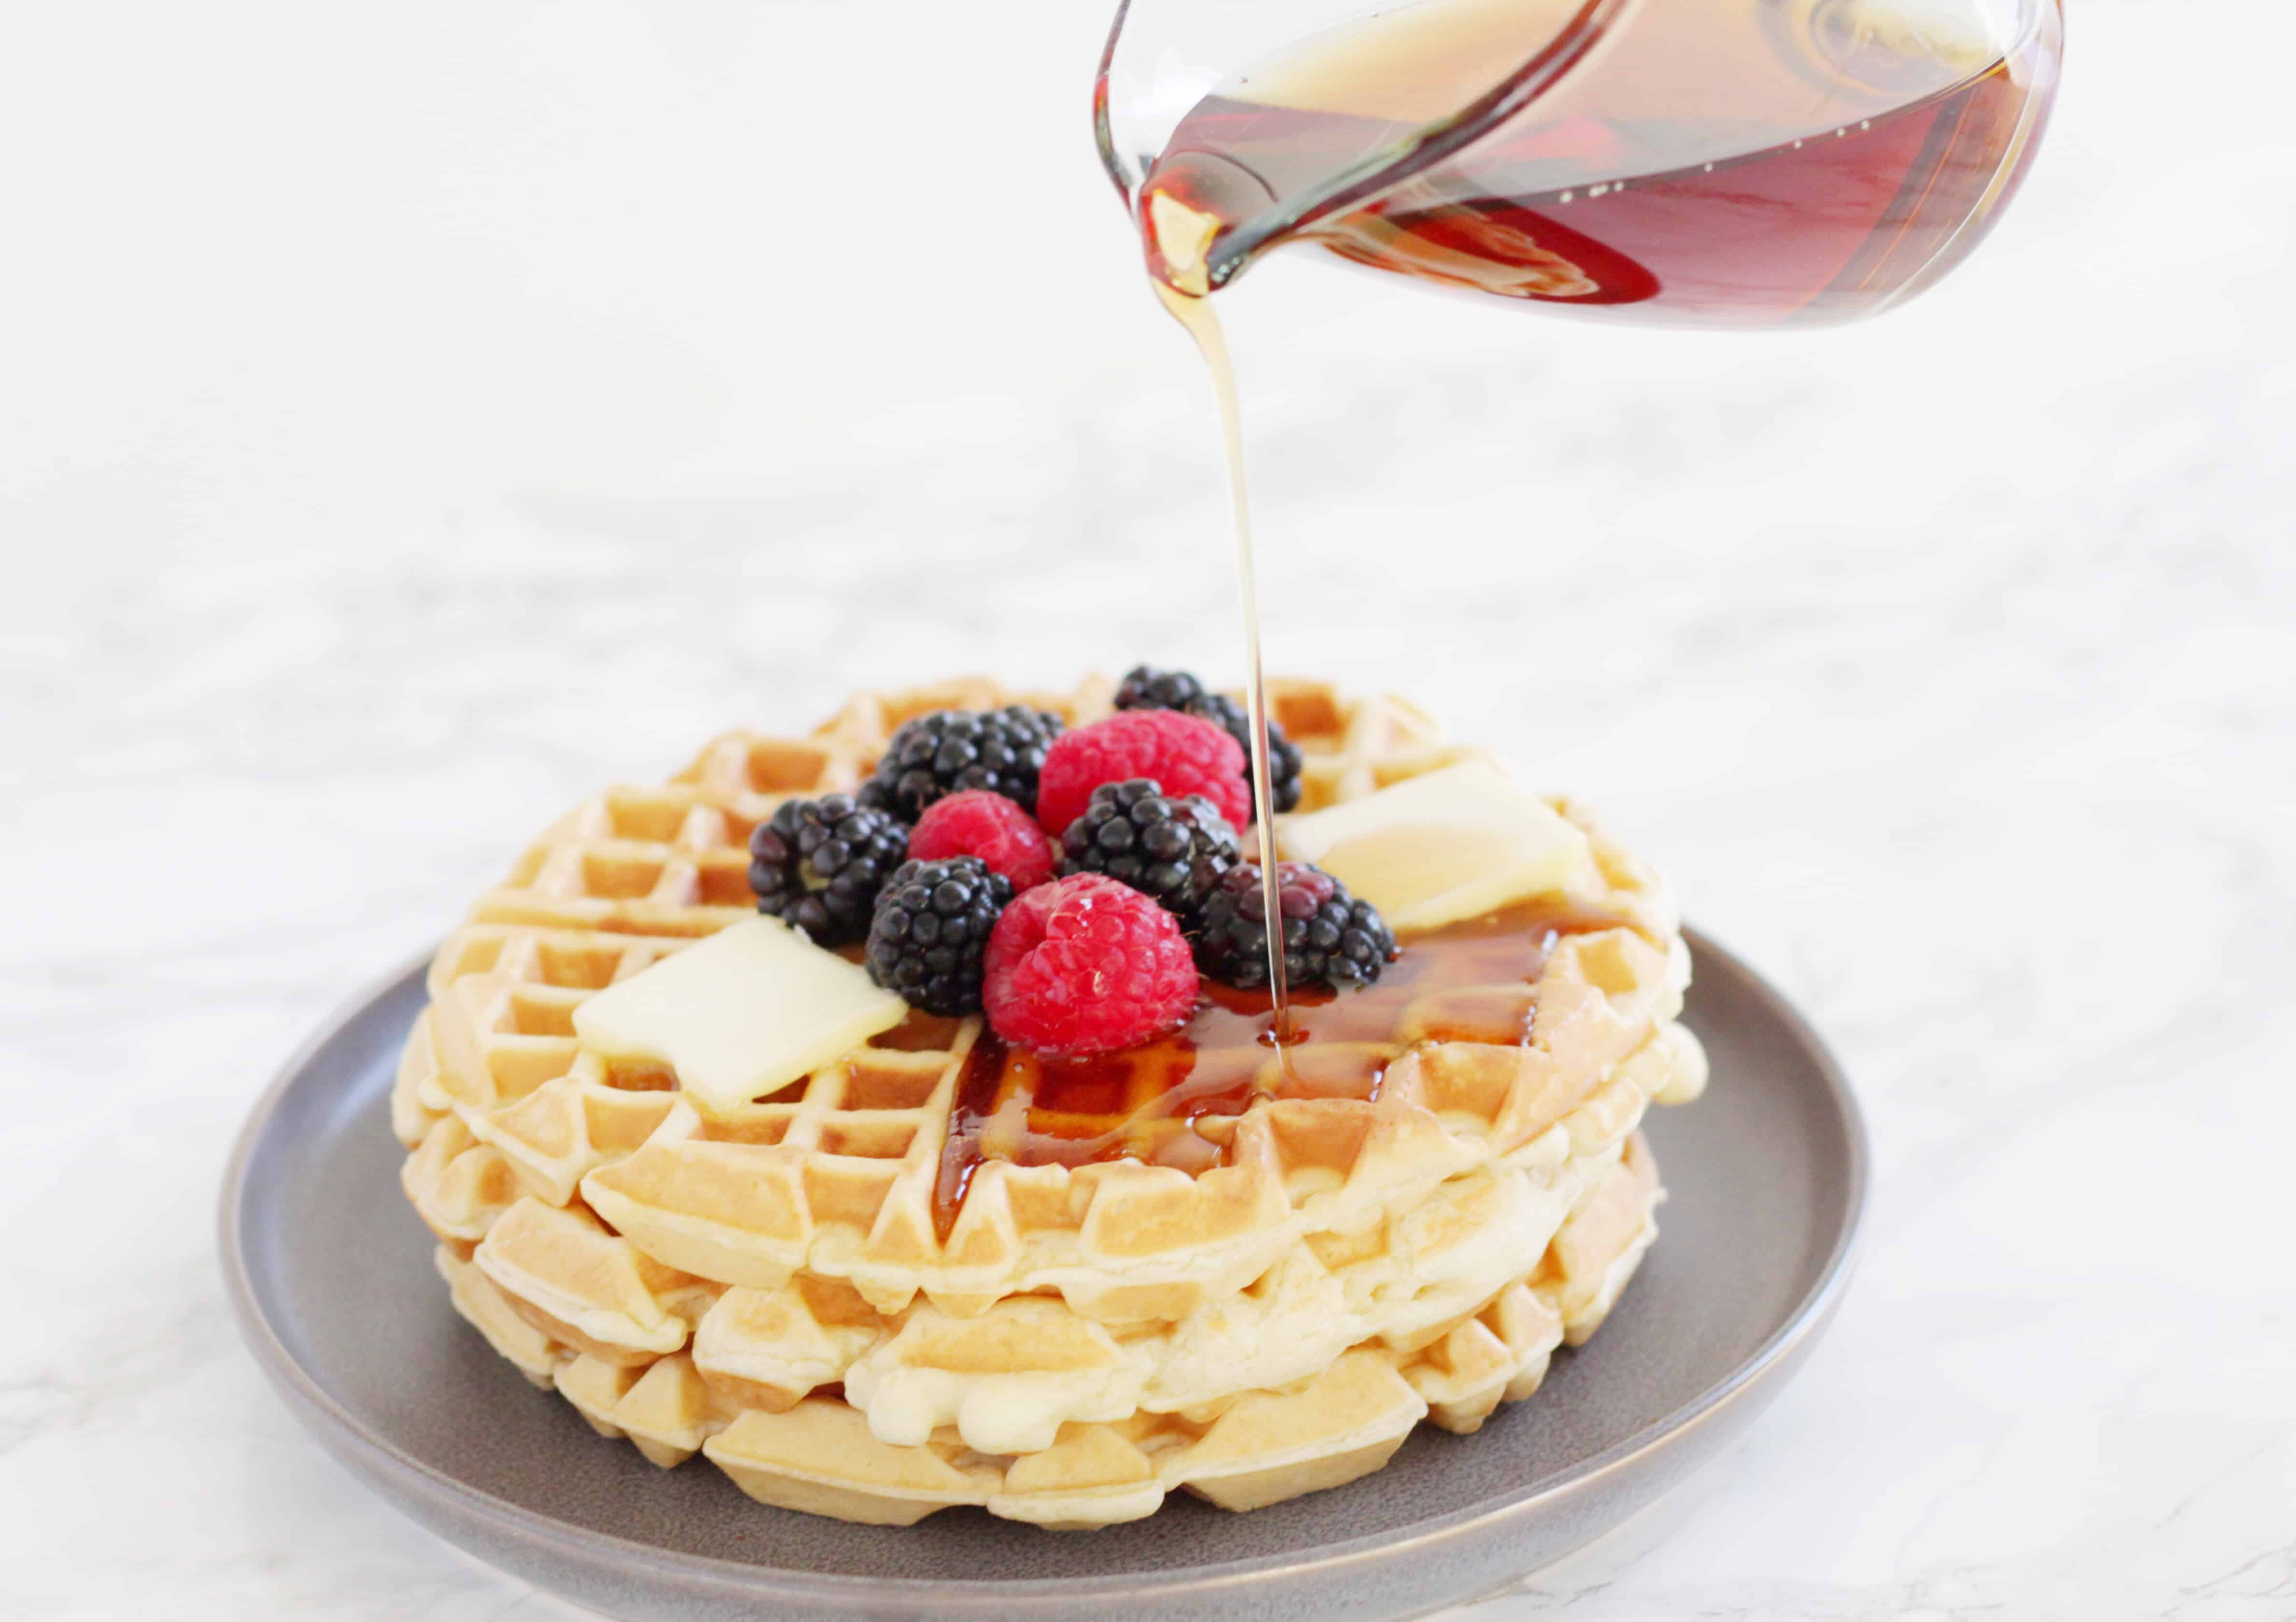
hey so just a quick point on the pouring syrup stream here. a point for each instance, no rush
(1196, 314)
(1182, 235)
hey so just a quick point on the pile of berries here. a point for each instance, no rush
(1070, 884)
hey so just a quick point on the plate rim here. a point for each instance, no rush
(341, 1428)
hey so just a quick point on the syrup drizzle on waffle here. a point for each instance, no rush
(1173, 1102)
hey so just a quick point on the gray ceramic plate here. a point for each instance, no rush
(330, 1276)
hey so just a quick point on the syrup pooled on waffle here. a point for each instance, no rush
(1173, 1102)
(939, 1267)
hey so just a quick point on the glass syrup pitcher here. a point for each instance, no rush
(1707, 162)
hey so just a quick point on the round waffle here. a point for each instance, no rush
(789, 1284)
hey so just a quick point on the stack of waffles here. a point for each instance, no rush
(785, 1287)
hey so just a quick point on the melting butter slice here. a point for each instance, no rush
(738, 1015)
(1451, 845)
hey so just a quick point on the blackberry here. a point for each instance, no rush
(1172, 851)
(932, 924)
(818, 864)
(1147, 688)
(1330, 938)
(1001, 750)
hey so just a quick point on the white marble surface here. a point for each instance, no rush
(412, 416)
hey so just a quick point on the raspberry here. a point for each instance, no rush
(980, 823)
(1330, 938)
(1145, 687)
(1087, 965)
(1185, 755)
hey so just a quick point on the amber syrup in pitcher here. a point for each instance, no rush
(1708, 161)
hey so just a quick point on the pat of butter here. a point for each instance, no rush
(1453, 844)
(746, 1012)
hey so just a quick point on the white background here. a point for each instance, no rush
(413, 416)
